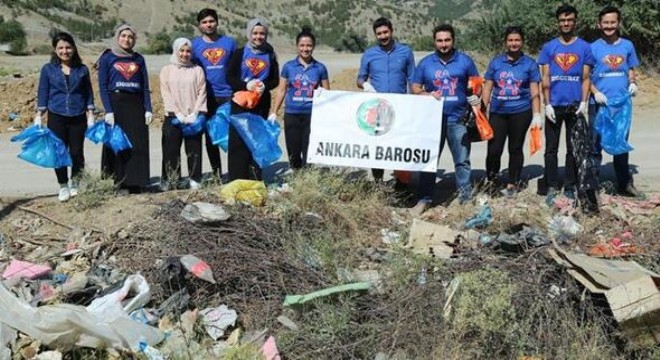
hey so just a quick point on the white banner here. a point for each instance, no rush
(374, 130)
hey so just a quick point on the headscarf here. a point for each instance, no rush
(118, 50)
(176, 46)
(263, 48)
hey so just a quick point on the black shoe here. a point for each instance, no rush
(630, 191)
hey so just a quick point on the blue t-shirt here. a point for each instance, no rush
(388, 72)
(213, 58)
(566, 64)
(511, 80)
(255, 66)
(300, 85)
(612, 63)
(450, 79)
(123, 73)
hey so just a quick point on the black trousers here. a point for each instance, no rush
(514, 128)
(213, 151)
(296, 134)
(71, 130)
(552, 135)
(171, 143)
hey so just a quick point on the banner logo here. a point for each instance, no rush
(375, 117)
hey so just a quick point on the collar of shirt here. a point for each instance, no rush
(505, 59)
(453, 57)
(311, 63)
(394, 47)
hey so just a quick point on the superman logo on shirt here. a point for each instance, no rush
(127, 69)
(444, 83)
(214, 55)
(256, 66)
(302, 84)
(508, 84)
(566, 60)
(613, 61)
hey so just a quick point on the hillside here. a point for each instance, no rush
(336, 21)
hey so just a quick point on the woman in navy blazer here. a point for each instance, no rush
(65, 92)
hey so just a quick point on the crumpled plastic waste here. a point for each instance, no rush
(292, 300)
(520, 237)
(483, 218)
(260, 136)
(218, 126)
(245, 191)
(217, 320)
(24, 269)
(564, 228)
(42, 147)
(616, 247)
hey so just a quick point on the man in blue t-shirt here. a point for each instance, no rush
(444, 74)
(613, 75)
(565, 63)
(212, 52)
(386, 68)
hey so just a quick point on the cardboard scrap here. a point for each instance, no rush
(632, 292)
(431, 239)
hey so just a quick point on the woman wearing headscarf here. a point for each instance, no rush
(183, 88)
(65, 92)
(252, 68)
(124, 89)
(299, 78)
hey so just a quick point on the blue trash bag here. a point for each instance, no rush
(97, 132)
(218, 126)
(190, 129)
(117, 139)
(613, 124)
(43, 148)
(260, 136)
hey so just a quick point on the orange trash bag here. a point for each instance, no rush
(404, 177)
(535, 142)
(483, 126)
(246, 99)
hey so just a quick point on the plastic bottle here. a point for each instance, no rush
(198, 267)
(421, 278)
(150, 352)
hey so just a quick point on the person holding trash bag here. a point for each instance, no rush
(124, 88)
(511, 92)
(65, 92)
(565, 63)
(183, 88)
(212, 52)
(613, 76)
(444, 74)
(253, 68)
(299, 78)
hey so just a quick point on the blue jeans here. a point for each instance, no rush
(455, 135)
(621, 161)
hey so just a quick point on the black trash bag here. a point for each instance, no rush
(587, 173)
(172, 276)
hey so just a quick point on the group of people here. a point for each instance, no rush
(204, 73)
(571, 77)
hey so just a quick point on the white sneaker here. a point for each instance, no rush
(73, 191)
(194, 185)
(64, 194)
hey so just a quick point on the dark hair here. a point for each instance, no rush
(204, 13)
(446, 28)
(306, 31)
(63, 36)
(566, 9)
(514, 30)
(382, 21)
(609, 10)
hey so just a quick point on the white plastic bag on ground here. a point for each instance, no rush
(63, 326)
(7, 336)
(119, 303)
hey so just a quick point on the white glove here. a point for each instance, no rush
(537, 121)
(436, 94)
(368, 87)
(37, 119)
(260, 86)
(252, 85)
(181, 118)
(148, 117)
(110, 119)
(90, 120)
(583, 109)
(272, 118)
(600, 98)
(191, 118)
(632, 89)
(473, 100)
(550, 113)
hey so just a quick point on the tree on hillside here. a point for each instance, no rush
(12, 32)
